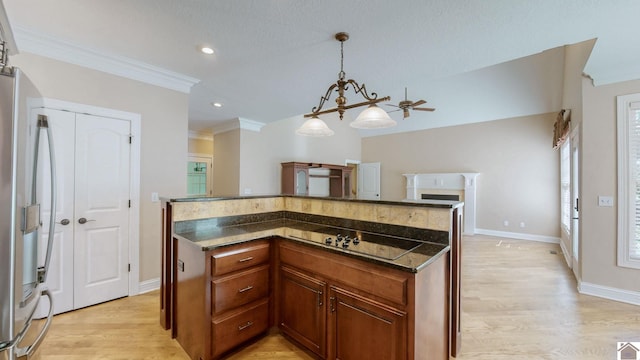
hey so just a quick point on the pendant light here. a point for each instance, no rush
(371, 118)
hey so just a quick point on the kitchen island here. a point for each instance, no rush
(340, 278)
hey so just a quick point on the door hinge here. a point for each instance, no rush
(129, 267)
(129, 203)
(130, 138)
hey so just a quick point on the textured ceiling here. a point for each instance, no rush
(275, 58)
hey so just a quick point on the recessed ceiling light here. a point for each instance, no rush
(216, 104)
(206, 50)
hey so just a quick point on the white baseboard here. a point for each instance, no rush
(519, 236)
(149, 285)
(625, 296)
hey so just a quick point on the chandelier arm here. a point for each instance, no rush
(347, 107)
(362, 90)
(324, 98)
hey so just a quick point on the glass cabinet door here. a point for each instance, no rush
(301, 182)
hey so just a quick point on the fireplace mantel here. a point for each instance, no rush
(421, 183)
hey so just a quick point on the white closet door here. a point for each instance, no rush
(369, 181)
(60, 275)
(102, 173)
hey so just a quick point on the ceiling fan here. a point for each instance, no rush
(407, 105)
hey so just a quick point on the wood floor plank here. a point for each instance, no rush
(519, 301)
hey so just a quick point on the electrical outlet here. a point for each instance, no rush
(506, 223)
(522, 224)
(605, 201)
(247, 191)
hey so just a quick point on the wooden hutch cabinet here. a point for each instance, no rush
(295, 178)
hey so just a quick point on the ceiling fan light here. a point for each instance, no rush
(373, 117)
(314, 127)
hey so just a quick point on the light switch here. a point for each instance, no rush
(154, 197)
(605, 201)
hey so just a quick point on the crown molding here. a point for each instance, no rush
(54, 48)
(200, 135)
(238, 123)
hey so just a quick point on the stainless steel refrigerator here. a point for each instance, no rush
(23, 136)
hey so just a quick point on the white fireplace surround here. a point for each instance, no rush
(418, 184)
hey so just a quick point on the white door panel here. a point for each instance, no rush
(369, 181)
(101, 246)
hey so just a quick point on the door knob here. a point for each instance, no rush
(83, 220)
(63, 222)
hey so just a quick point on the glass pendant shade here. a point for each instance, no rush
(314, 127)
(373, 117)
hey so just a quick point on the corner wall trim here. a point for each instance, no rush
(519, 236)
(149, 285)
(567, 255)
(625, 296)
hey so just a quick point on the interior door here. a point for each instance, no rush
(101, 247)
(89, 263)
(369, 181)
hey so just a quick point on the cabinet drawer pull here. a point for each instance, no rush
(245, 289)
(242, 327)
(246, 259)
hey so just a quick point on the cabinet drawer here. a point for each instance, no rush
(239, 257)
(239, 289)
(239, 326)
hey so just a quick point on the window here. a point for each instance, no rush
(629, 181)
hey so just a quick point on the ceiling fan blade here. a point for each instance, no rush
(392, 105)
(425, 109)
(393, 111)
(418, 103)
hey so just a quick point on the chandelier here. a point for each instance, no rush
(372, 117)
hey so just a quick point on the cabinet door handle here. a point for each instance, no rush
(246, 259)
(245, 289)
(242, 327)
(331, 304)
(319, 298)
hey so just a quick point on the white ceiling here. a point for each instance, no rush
(275, 58)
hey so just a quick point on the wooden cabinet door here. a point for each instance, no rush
(360, 328)
(302, 309)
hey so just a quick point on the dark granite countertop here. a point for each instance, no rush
(446, 204)
(417, 255)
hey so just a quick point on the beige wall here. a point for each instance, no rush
(163, 131)
(260, 153)
(598, 173)
(226, 163)
(200, 146)
(519, 171)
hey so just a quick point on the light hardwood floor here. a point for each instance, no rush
(519, 302)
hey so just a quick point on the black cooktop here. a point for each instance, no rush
(375, 245)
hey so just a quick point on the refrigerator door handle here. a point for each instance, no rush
(44, 124)
(27, 352)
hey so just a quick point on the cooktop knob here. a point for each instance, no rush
(345, 244)
(328, 240)
(338, 238)
(356, 241)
